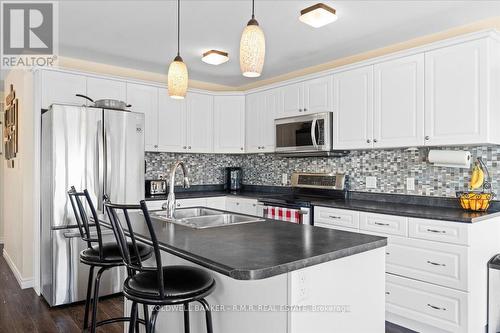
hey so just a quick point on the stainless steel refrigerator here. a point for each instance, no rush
(97, 149)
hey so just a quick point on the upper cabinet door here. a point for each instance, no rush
(61, 88)
(253, 111)
(399, 103)
(293, 99)
(98, 88)
(456, 88)
(171, 123)
(199, 123)
(318, 95)
(144, 99)
(272, 106)
(229, 124)
(353, 105)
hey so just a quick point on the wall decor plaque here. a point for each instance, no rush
(11, 122)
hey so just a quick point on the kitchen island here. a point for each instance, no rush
(278, 277)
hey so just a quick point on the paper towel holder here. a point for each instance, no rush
(450, 158)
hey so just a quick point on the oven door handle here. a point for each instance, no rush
(313, 132)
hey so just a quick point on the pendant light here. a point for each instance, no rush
(252, 48)
(177, 71)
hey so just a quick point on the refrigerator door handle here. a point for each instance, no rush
(100, 167)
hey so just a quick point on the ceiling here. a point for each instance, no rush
(142, 34)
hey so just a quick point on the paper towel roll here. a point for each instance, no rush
(450, 158)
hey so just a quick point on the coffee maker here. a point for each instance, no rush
(233, 179)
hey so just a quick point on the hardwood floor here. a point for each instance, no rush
(23, 311)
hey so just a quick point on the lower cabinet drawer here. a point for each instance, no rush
(336, 217)
(439, 263)
(386, 224)
(155, 204)
(441, 231)
(444, 308)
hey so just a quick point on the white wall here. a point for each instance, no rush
(1, 170)
(18, 199)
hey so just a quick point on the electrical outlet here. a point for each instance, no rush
(410, 184)
(371, 182)
(302, 286)
(284, 179)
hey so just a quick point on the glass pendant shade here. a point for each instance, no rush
(252, 50)
(177, 78)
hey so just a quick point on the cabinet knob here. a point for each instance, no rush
(156, 146)
(178, 204)
(237, 204)
(300, 110)
(427, 137)
(375, 140)
(368, 140)
(305, 109)
(184, 147)
(241, 148)
(189, 147)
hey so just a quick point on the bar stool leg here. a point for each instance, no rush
(89, 298)
(208, 315)
(154, 314)
(96, 298)
(133, 318)
(146, 317)
(186, 317)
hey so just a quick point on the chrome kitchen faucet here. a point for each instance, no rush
(170, 204)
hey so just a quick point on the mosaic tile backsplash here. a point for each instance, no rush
(391, 167)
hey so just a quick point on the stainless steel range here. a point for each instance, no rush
(306, 188)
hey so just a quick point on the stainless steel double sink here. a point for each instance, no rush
(202, 218)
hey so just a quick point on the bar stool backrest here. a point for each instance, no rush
(119, 217)
(82, 219)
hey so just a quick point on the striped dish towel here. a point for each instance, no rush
(283, 214)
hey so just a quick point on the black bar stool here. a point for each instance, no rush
(161, 285)
(103, 255)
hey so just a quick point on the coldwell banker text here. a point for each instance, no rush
(29, 34)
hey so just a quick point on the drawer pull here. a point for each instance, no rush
(435, 263)
(382, 224)
(387, 293)
(387, 253)
(435, 307)
(334, 217)
(436, 231)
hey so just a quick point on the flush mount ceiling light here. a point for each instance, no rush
(318, 15)
(215, 57)
(252, 48)
(177, 71)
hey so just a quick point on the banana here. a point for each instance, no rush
(477, 178)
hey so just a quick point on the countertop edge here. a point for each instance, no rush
(250, 275)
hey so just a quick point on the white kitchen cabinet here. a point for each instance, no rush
(171, 123)
(216, 203)
(229, 124)
(199, 111)
(61, 88)
(100, 88)
(261, 110)
(456, 94)
(144, 99)
(353, 104)
(398, 119)
(310, 96)
(242, 205)
(191, 202)
(318, 94)
(293, 99)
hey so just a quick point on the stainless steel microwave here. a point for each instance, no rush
(307, 135)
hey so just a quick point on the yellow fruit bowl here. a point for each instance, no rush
(475, 201)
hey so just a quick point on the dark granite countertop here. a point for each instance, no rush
(444, 209)
(208, 194)
(409, 210)
(257, 250)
